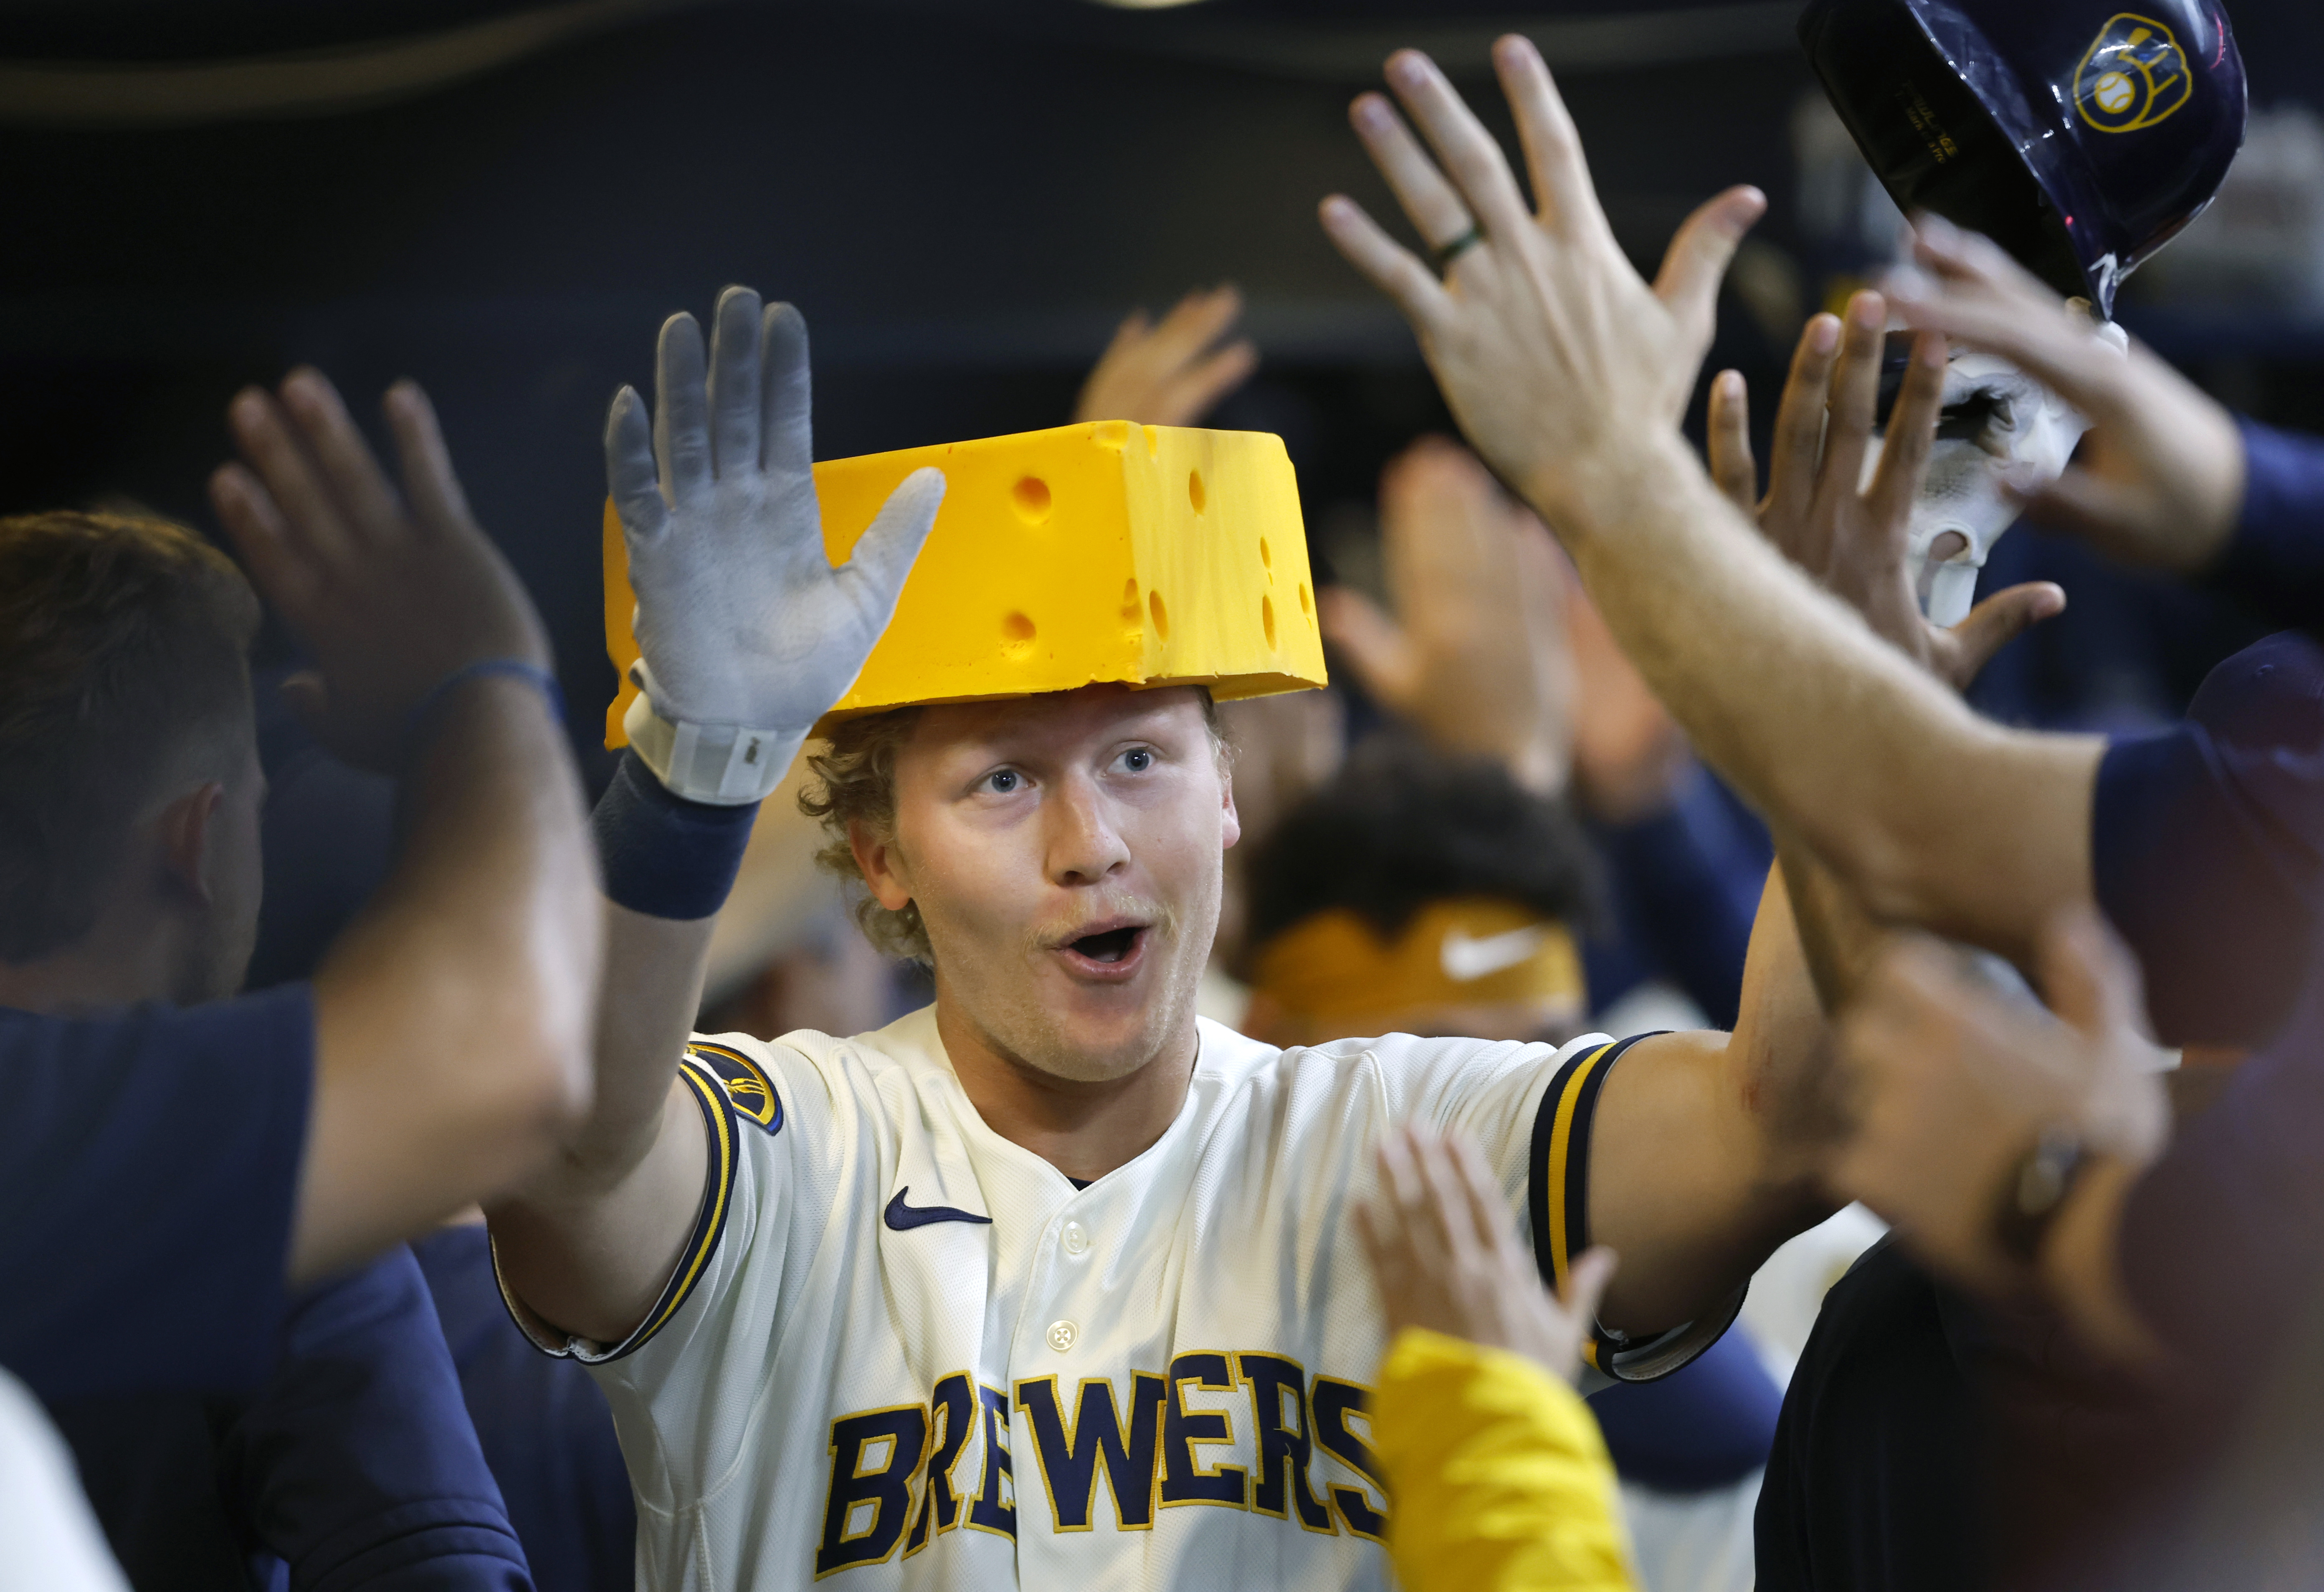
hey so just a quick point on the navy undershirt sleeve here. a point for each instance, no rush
(149, 1171)
(2274, 562)
(1689, 879)
(2206, 846)
(357, 1465)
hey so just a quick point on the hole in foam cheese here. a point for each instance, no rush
(1064, 558)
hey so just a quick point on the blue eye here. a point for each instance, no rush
(1003, 780)
(1138, 759)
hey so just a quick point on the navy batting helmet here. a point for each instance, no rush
(2078, 137)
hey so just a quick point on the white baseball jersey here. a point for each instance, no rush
(904, 1351)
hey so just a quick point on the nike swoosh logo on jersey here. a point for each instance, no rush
(903, 1217)
(1465, 960)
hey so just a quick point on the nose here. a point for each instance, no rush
(1085, 846)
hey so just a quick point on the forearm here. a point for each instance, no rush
(1837, 939)
(1929, 813)
(1708, 1148)
(453, 1018)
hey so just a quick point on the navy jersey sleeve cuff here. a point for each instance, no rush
(1558, 1196)
(2275, 561)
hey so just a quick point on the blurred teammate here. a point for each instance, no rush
(231, 1149)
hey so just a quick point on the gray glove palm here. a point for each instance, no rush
(748, 635)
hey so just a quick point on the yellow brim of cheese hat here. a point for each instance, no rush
(1104, 552)
(1335, 967)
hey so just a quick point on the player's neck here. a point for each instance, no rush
(1084, 1129)
(112, 966)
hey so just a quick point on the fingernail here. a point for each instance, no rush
(1372, 111)
(1823, 333)
(1406, 69)
(1868, 310)
(1908, 282)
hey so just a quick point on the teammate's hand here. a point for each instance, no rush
(1173, 373)
(1849, 534)
(1953, 1083)
(1475, 658)
(2159, 480)
(1553, 354)
(740, 619)
(392, 591)
(1446, 1251)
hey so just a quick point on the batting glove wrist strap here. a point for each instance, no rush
(722, 765)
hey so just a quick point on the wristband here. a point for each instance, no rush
(515, 669)
(719, 765)
(663, 855)
(2035, 1192)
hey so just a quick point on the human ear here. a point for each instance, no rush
(1230, 820)
(882, 867)
(187, 830)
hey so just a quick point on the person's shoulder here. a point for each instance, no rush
(762, 1079)
(2266, 695)
(1397, 1057)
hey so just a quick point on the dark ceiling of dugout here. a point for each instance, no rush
(504, 200)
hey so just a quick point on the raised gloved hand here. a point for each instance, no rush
(748, 634)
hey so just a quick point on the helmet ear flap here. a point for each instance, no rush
(2078, 137)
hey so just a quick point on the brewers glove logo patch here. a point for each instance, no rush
(2133, 77)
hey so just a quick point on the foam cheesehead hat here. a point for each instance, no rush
(1145, 555)
(2079, 135)
(1335, 971)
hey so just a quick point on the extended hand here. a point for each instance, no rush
(1174, 373)
(2160, 477)
(1954, 1083)
(391, 592)
(1475, 658)
(742, 620)
(1851, 534)
(1445, 1252)
(1552, 351)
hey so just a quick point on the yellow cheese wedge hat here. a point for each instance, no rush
(1149, 555)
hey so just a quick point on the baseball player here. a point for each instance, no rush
(1051, 1282)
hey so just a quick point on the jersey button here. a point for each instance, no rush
(1062, 1335)
(1075, 1239)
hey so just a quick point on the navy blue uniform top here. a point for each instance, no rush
(149, 1169)
(354, 1465)
(544, 1424)
(2207, 854)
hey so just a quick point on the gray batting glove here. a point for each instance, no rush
(748, 635)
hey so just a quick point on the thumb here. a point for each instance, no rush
(1376, 648)
(2087, 976)
(1699, 254)
(883, 555)
(1585, 1285)
(1993, 623)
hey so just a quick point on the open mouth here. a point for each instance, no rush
(1111, 948)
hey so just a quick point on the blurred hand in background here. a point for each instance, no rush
(1475, 656)
(2159, 480)
(1173, 373)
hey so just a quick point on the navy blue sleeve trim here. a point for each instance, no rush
(2275, 561)
(663, 855)
(720, 1114)
(1557, 1197)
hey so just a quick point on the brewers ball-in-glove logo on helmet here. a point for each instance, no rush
(2133, 76)
(2077, 137)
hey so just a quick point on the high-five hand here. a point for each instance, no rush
(1848, 533)
(393, 592)
(748, 633)
(1548, 344)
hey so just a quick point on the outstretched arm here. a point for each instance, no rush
(748, 635)
(452, 1019)
(1567, 372)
